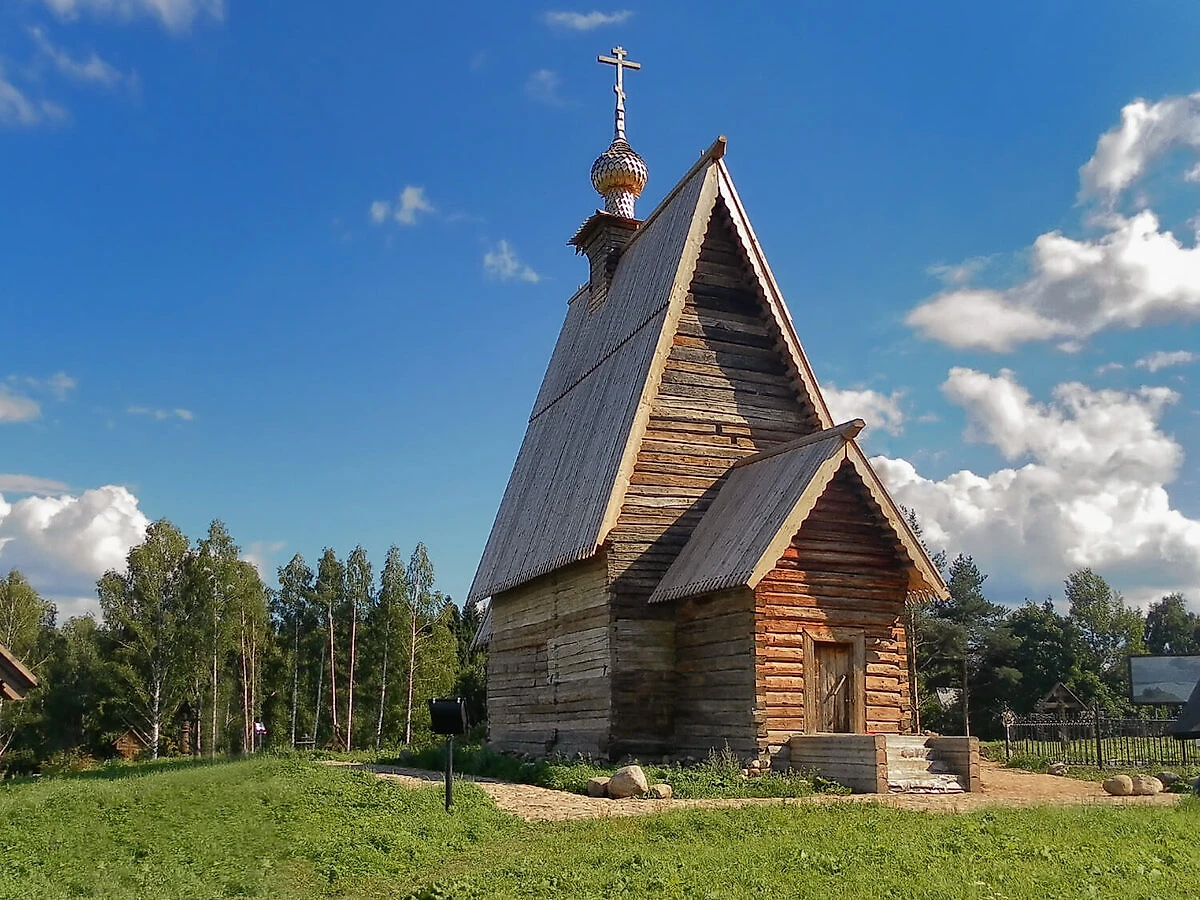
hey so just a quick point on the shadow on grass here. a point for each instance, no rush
(120, 771)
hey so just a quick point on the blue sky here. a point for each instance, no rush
(301, 267)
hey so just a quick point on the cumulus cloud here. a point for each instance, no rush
(410, 203)
(162, 414)
(876, 409)
(501, 263)
(1147, 131)
(577, 21)
(92, 70)
(959, 273)
(174, 15)
(1163, 359)
(64, 543)
(1133, 274)
(18, 109)
(1086, 486)
(543, 87)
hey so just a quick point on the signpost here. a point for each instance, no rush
(448, 716)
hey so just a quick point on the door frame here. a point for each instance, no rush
(856, 638)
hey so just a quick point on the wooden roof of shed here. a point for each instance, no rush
(763, 503)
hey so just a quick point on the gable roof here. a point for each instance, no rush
(763, 503)
(573, 469)
(15, 680)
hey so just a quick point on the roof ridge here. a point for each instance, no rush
(847, 430)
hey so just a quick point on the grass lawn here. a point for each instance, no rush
(287, 827)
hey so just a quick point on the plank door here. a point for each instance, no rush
(835, 686)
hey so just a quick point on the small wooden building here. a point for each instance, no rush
(690, 551)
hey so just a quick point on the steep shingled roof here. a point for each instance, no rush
(572, 471)
(765, 500)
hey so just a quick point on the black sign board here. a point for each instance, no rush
(448, 716)
(1187, 726)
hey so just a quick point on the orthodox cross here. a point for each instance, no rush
(618, 59)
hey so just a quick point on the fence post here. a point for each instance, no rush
(1099, 739)
(1006, 719)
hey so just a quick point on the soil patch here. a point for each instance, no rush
(1001, 787)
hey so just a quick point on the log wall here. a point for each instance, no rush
(842, 576)
(858, 761)
(549, 661)
(715, 647)
(727, 391)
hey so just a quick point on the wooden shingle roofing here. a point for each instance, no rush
(15, 680)
(763, 503)
(572, 472)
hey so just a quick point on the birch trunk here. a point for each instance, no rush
(350, 683)
(333, 716)
(412, 677)
(382, 691)
(295, 677)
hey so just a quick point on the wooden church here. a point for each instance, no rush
(690, 551)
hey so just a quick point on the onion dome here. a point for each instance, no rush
(619, 176)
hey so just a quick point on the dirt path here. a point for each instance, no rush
(1001, 787)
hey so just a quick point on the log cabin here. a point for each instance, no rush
(690, 552)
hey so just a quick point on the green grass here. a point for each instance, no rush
(720, 776)
(288, 827)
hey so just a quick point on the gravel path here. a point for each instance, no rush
(1001, 787)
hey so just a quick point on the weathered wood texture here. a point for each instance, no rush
(558, 493)
(549, 663)
(858, 761)
(727, 391)
(843, 575)
(714, 644)
(961, 755)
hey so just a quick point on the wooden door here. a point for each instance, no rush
(835, 686)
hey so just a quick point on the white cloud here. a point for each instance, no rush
(64, 543)
(501, 262)
(576, 21)
(92, 70)
(1162, 359)
(259, 554)
(16, 408)
(19, 109)
(1147, 131)
(543, 87)
(1132, 274)
(175, 15)
(876, 409)
(1109, 367)
(410, 203)
(1087, 487)
(161, 414)
(30, 484)
(960, 273)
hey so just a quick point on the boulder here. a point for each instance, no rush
(1119, 786)
(597, 787)
(628, 781)
(1058, 769)
(1146, 785)
(661, 792)
(1167, 778)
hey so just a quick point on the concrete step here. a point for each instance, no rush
(915, 767)
(930, 784)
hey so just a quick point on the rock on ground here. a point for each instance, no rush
(661, 792)
(1146, 785)
(1058, 769)
(597, 787)
(1119, 786)
(628, 781)
(1167, 778)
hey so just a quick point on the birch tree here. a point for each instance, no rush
(421, 612)
(293, 602)
(144, 608)
(330, 595)
(24, 616)
(359, 596)
(386, 623)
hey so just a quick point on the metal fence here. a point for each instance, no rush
(1097, 740)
